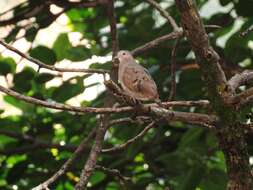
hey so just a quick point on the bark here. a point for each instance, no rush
(229, 132)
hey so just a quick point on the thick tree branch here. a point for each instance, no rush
(81, 4)
(240, 79)
(97, 146)
(244, 99)
(206, 56)
(208, 121)
(230, 134)
(59, 106)
(92, 159)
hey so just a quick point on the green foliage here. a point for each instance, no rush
(7, 65)
(64, 49)
(176, 155)
(43, 54)
(68, 90)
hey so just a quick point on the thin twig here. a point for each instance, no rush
(113, 172)
(244, 33)
(60, 106)
(113, 27)
(130, 141)
(173, 70)
(164, 13)
(156, 42)
(38, 144)
(50, 67)
(65, 167)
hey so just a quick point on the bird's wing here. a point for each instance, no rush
(137, 82)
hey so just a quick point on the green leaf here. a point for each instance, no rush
(193, 177)
(22, 80)
(64, 49)
(17, 172)
(78, 53)
(100, 66)
(195, 86)
(97, 177)
(215, 179)
(7, 65)
(192, 136)
(236, 48)
(12, 35)
(112, 186)
(13, 101)
(44, 54)
(67, 90)
(43, 78)
(5, 140)
(31, 33)
(61, 46)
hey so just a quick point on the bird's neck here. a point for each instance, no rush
(128, 60)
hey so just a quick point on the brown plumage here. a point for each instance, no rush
(135, 79)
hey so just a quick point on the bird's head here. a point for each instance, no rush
(124, 56)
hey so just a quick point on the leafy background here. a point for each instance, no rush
(178, 155)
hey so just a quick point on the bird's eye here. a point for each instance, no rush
(123, 53)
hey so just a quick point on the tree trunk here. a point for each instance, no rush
(229, 132)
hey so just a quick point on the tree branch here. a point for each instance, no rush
(244, 99)
(164, 14)
(240, 79)
(65, 167)
(50, 67)
(59, 106)
(113, 172)
(156, 42)
(173, 70)
(229, 132)
(97, 146)
(92, 158)
(113, 27)
(246, 32)
(206, 56)
(130, 141)
(208, 121)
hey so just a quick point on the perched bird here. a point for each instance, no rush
(135, 79)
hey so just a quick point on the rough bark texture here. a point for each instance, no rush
(229, 132)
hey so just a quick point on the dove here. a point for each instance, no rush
(135, 79)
